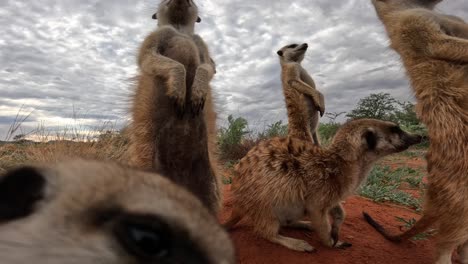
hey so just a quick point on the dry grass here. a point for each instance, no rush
(100, 143)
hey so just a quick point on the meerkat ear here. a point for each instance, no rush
(280, 53)
(20, 190)
(155, 16)
(198, 19)
(371, 139)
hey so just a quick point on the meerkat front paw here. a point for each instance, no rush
(200, 89)
(197, 102)
(321, 104)
(342, 245)
(176, 92)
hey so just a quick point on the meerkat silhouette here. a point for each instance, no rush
(174, 123)
(282, 180)
(434, 51)
(92, 212)
(303, 101)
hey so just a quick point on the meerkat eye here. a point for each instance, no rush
(148, 241)
(293, 46)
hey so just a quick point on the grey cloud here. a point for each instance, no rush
(62, 56)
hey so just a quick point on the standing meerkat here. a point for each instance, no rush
(303, 101)
(434, 51)
(174, 123)
(284, 179)
(90, 212)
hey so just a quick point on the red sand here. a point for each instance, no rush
(368, 246)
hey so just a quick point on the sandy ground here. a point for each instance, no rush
(368, 245)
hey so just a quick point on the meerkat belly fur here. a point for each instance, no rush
(284, 179)
(91, 212)
(303, 101)
(174, 123)
(434, 51)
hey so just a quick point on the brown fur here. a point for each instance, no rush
(85, 211)
(283, 179)
(434, 50)
(174, 122)
(303, 101)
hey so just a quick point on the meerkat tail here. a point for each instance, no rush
(420, 226)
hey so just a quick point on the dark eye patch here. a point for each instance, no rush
(396, 130)
(151, 239)
(293, 46)
(20, 190)
(145, 238)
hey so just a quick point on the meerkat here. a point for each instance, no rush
(303, 101)
(284, 179)
(92, 212)
(174, 123)
(434, 51)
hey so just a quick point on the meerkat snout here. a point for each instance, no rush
(293, 52)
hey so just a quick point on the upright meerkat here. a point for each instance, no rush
(303, 101)
(284, 179)
(91, 212)
(434, 50)
(174, 122)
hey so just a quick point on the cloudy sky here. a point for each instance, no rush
(69, 62)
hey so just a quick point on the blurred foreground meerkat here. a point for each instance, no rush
(174, 123)
(92, 212)
(282, 180)
(434, 51)
(303, 101)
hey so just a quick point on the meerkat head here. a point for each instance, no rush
(90, 212)
(387, 6)
(178, 13)
(375, 138)
(293, 52)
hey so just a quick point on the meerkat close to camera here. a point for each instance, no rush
(434, 51)
(91, 212)
(282, 180)
(303, 101)
(174, 123)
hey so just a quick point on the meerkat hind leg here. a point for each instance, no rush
(292, 243)
(321, 223)
(444, 252)
(463, 253)
(270, 231)
(338, 215)
(307, 225)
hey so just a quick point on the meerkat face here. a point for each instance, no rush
(177, 12)
(293, 52)
(390, 5)
(90, 212)
(376, 138)
(384, 138)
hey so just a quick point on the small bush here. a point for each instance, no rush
(277, 129)
(327, 131)
(231, 139)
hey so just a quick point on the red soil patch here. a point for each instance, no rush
(399, 161)
(369, 247)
